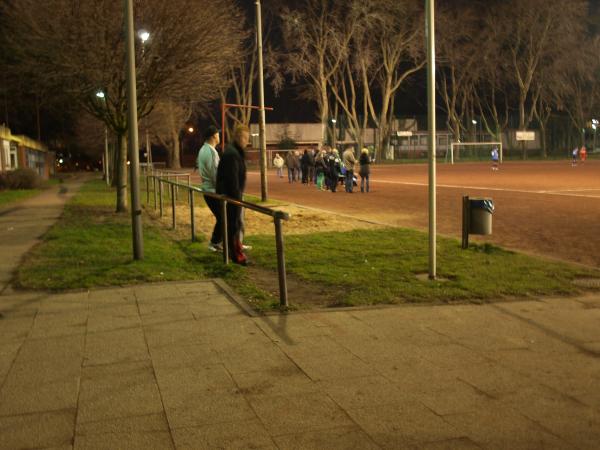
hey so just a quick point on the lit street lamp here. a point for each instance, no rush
(143, 35)
(333, 139)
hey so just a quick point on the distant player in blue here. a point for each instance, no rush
(575, 152)
(495, 158)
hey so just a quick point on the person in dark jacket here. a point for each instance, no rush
(291, 166)
(304, 162)
(231, 181)
(365, 168)
(335, 164)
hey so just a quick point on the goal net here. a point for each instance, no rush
(473, 151)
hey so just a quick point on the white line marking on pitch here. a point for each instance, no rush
(481, 188)
(562, 192)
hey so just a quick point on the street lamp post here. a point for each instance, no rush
(136, 209)
(430, 29)
(102, 96)
(261, 93)
(594, 127)
(333, 138)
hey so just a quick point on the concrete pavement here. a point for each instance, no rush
(181, 365)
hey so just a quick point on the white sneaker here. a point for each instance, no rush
(215, 247)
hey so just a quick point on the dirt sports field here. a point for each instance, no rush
(545, 208)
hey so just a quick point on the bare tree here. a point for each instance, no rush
(79, 44)
(459, 60)
(165, 123)
(533, 34)
(580, 97)
(401, 53)
(315, 47)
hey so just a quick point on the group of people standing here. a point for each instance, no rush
(325, 168)
(582, 153)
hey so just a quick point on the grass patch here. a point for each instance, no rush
(11, 196)
(381, 266)
(91, 246)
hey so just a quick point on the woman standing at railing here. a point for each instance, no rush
(231, 182)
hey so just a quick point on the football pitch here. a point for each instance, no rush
(542, 207)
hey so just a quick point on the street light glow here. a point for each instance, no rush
(333, 121)
(191, 129)
(474, 122)
(100, 94)
(143, 35)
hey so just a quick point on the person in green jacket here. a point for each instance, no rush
(207, 164)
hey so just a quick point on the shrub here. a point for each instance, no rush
(20, 179)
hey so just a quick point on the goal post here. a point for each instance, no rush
(476, 147)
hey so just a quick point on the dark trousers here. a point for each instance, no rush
(215, 207)
(234, 226)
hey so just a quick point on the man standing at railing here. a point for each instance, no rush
(231, 181)
(207, 163)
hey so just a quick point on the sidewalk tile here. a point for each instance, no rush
(117, 346)
(345, 438)
(178, 383)
(401, 424)
(254, 357)
(288, 414)
(21, 397)
(153, 440)
(275, 381)
(205, 408)
(361, 392)
(106, 396)
(230, 435)
(41, 430)
(173, 356)
(132, 424)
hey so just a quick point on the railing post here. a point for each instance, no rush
(154, 190)
(192, 219)
(160, 192)
(173, 204)
(283, 297)
(224, 227)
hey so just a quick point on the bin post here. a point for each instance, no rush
(192, 220)
(173, 205)
(465, 221)
(160, 191)
(154, 190)
(225, 237)
(283, 296)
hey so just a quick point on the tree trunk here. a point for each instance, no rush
(543, 139)
(522, 99)
(121, 177)
(175, 161)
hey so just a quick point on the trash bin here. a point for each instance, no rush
(480, 215)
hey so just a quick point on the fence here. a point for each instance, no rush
(277, 216)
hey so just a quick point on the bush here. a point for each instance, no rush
(20, 179)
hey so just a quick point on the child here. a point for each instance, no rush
(583, 154)
(575, 152)
(495, 158)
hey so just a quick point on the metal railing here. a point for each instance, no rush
(158, 182)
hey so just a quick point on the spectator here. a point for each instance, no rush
(304, 165)
(365, 169)
(231, 181)
(207, 163)
(334, 164)
(321, 169)
(278, 164)
(349, 161)
(290, 163)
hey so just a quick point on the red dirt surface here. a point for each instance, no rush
(545, 208)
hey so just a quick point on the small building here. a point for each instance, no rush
(17, 151)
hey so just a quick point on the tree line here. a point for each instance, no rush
(350, 58)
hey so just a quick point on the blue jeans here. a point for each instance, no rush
(349, 179)
(362, 182)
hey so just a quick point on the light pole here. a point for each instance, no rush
(430, 30)
(333, 138)
(134, 156)
(474, 122)
(594, 127)
(102, 96)
(261, 94)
